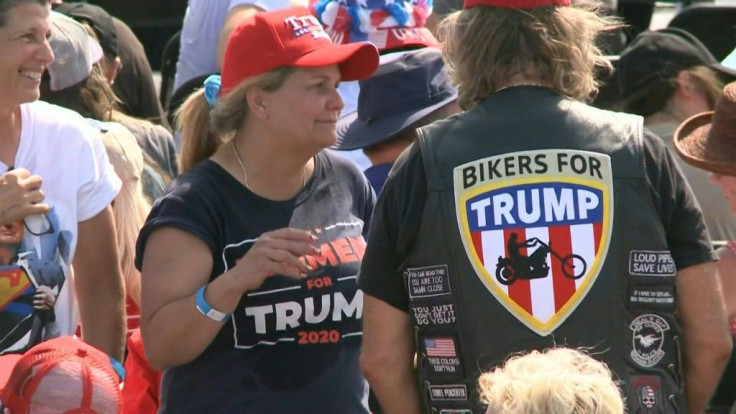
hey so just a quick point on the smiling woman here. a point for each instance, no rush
(66, 155)
(24, 29)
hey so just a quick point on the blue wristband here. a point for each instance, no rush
(118, 368)
(205, 309)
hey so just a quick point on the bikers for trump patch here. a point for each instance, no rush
(536, 226)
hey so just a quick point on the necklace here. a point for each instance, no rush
(245, 175)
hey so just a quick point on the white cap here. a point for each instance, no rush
(75, 52)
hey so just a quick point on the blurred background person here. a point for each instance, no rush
(130, 207)
(155, 140)
(142, 383)
(667, 76)
(77, 82)
(708, 141)
(393, 26)
(206, 29)
(409, 90)
(131, 75)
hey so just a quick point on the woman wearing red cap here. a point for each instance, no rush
(249, 261)
(622, 265)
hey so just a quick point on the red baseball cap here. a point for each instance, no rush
(514, 4)
(290, 37)
(392, 39)
(63, 373)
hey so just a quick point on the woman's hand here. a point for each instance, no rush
(276, 252)
(20, 196)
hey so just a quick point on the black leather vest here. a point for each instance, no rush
(540, 230)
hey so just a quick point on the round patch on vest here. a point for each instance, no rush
(647, 339)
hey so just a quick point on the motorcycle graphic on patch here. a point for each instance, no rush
(536, 225)
(535, 266)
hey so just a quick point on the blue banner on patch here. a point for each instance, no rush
(535, 205)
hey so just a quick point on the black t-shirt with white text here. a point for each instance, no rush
(291, 346)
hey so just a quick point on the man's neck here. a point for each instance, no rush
(387, 154)
(521, 79)
(663, 117)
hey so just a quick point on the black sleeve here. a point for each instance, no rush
(183, 207)
(682, 219)
(369, 203)
(134, 84)
(395, 225)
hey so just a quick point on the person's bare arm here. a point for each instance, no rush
(98, 282)
(236, 15)
(387, 357)
(706, 340)
(176, 264)
(727, 277)
(20, 196)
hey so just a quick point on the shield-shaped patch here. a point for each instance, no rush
(536, 226)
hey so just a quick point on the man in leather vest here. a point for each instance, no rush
(629, 273)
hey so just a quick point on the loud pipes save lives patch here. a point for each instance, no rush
(536, 226)
(651, 263)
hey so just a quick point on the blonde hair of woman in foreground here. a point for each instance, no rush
(555, 381)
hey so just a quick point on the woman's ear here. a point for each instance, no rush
(686, 87)
(691, 96)
(256, 99)
(112, 67)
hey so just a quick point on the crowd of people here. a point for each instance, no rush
(365, 207)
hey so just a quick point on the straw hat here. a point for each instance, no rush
(708, 140)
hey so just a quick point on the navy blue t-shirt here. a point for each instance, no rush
(291, 346)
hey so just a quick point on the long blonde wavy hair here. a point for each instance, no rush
(130, 206)
(485, 46)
